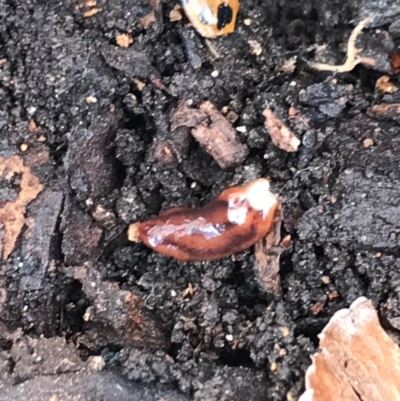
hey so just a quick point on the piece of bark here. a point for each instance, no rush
(213, 131)
(38, 239)
(219, 138)
(189, 117)
(385, 111)
(20, 186)
(357, 361)
(280, 134)
(268, 257)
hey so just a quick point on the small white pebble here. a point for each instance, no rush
(241, 129)
(293, 83)
(173, 293)
(215, 73)
(91, 99)
(193, 184)
(247, 21)
(31, 110)
(229, 337)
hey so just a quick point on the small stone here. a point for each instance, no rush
(23, 147)
(368, 142)
(91, 99)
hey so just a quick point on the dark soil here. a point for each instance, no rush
(86, 314)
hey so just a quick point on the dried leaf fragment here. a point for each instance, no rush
(281, 135)
(357, 361)
(12, 208)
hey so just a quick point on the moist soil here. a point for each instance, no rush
(86, 314)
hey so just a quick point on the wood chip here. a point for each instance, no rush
(213, 131)
(281, 135)
(357, 361)
(186, 116)
(90, 13)
(133, 232)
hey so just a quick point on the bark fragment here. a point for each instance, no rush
(21, 186)
(213, 131)
(358, 360)
(281, 135)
